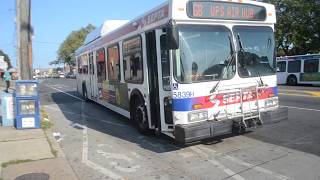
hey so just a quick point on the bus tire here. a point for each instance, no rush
(140, 117)
(292, 80)
(84, 93)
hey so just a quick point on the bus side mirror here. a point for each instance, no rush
(172, 40)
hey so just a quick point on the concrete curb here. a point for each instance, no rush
(55, 146)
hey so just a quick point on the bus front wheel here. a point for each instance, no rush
(140, 118)
(292, 80)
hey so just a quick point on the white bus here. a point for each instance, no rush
(301, 69)
(189, 69)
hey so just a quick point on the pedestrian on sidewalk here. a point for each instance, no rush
(7, 79)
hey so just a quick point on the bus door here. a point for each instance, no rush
(92, 78)
(282, 72)
(163, 63)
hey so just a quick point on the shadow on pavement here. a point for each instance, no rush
(101, 119)
(292, 133)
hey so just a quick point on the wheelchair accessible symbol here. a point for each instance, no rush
(175, 86)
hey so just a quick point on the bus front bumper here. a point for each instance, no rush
(209, 129)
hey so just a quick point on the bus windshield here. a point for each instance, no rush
(204, 54)
(256, 51)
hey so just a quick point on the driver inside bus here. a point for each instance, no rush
(248, 63)
(195, 74)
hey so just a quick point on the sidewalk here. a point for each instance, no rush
(31, 155)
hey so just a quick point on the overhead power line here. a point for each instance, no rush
(44, 42)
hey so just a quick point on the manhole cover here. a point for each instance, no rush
(34, 176)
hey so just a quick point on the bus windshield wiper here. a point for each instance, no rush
(261, 83)
(240, 43)
(230, 60)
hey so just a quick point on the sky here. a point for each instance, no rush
(54, 20)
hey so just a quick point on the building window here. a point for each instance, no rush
(114, 63)
(132, 60)
(282, 66)
(311, 66)
(101, 65)
(294, 66)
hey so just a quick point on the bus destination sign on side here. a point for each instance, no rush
(226, 10)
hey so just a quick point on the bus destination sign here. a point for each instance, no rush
(226, 11)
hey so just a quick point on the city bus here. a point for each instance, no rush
(191, 70)
(300, 69)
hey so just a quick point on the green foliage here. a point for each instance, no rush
(71, 44)
(298, 26)
(45, 122)
(55, 62)
(6, 58)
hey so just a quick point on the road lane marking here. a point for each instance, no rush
(85, 150)
(303, 93)
(250, 166)
(315, 94)
(292, 107)
(66, 93)
(217, 164)
(292, 94)
(290, 90)
(122, 157)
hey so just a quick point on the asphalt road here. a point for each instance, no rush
(100, 144)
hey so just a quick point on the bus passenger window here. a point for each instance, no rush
(79, 65)
(311, 66)
(101, 65)
(281, 66)
(84, 64)
(114, 63)
(132, 60)
(294, 66)
(165, 64)
(91, 67)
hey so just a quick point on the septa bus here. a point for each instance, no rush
(300, 69)
(188, 69)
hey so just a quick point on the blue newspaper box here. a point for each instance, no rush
(27, 107)
(7, 109)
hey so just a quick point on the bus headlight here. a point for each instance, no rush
(197, 116)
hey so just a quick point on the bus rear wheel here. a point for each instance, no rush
(292, 80)
(140, 118)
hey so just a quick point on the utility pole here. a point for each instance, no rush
(24, 39)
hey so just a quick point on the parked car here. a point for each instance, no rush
(55, 76)
(62, 76)
(70, 76)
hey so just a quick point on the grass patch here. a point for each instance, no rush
(6, 164)
(46, 124)
(53, 151)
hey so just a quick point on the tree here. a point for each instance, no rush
(74, 40)
(6, 58)
(298, 26)
(55, 62)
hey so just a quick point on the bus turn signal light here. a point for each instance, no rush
(197, 106)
